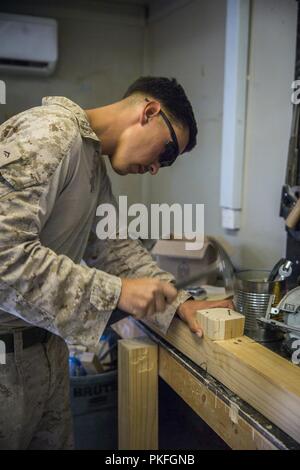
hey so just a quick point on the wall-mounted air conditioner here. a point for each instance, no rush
(28, 44)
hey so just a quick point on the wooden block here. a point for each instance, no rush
(138, 394)
(221, 323)
(207, 403)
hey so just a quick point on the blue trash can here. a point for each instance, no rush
(94, 403)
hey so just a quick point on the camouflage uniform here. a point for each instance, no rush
(52, 178)
(34, 397)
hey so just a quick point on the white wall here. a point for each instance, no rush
(100, 53)
(187, 42)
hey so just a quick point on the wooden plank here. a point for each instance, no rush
(137, 394)
(221, 323)
(265, 380)
(223, 419)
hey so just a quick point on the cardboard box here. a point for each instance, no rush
(91, 363)
(172, 256)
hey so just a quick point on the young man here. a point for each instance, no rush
(52, 178)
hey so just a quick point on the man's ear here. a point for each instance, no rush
(151, 109)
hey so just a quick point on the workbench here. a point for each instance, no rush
(239, 424)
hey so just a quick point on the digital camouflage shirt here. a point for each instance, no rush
(52, 178)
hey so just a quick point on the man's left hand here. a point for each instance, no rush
(188, 311)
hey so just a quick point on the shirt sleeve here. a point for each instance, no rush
(36, 284)
(128, 258)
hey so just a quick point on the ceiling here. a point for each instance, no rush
(132, 2)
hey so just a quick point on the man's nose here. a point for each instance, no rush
(153, 168)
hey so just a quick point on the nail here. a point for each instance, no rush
(199, 333)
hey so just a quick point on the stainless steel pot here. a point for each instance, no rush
(252, 292)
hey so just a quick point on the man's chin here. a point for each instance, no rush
(124, 171)
(118, 170)
(121, 172)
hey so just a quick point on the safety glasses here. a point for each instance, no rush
(171, 151)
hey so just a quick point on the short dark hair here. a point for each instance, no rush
(172, 97)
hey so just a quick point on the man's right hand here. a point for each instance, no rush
(143, 297)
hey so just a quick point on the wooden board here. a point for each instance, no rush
(223, 419)
(137, 395)
(221, 323)
(268, 382)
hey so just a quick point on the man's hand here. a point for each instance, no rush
(143, 297)
(188, 310)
